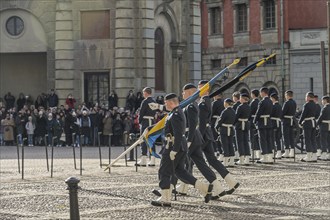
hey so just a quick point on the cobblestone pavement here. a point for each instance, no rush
(285, 190)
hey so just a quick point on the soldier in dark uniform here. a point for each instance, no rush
(288, 114)
(324, 123)
(205, 113)
(276, 123)
(225, 126)
(242, 128)
(195, 142)
(317, 136)
(217, 108)
(146, 119)
(236, 99)
(253, 132)
(263, 124)
(307, 121)
(173, 157)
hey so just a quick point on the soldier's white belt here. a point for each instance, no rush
(265, 118)
(327, 122)
(310, 119)
(278, 121)
(216, 116)
(289, 117)
(253, 116)
(149, 118)
(243, 120)
(208, 125)
(228, 126)
(187, 129)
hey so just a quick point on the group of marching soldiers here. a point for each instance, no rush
(206, 126)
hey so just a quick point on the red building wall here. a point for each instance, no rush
(205, 24)
(255, 37)
(228, 24)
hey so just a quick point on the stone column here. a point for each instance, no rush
(194, 46)
(64, 62)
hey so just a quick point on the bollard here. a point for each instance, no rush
(73, 187)
(99, 144)
(132, 140)
(52, 159)
(46, 148)
(81, 138)
(19, 166)
(74, 151)
(109, 151)
(23, 158)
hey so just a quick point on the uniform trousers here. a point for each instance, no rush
(212, 160)
(288, 136)
(309, 139)
(242, 142)
(265, 140)
(277, 138)
(325, 140)
(165, 171)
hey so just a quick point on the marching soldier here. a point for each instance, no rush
(242, 128)
(195, 142)
(307, 121)
(236, 99)
(225, 126)
(288, 114)
(217, 108)
(253, 132)
(205, 113)
(146, 119)
(324, 123)
(262, 122)
(317, 136)
(276, 123)
(174, 154)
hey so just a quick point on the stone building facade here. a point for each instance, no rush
(90, 47)
(252, 29)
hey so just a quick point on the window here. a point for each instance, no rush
(243, 62)
(241, 18)
(216, 64)
(215, 20)
(271, 61)
(95, 25)
(269, 14)
(96, 87)
(14, 26)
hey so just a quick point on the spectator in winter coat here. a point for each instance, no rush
(113, 99)
(118, 130)
(20, 124)
(130, 101)
(2, 129)
(76, 128)
(52, 99)
(128, 124)
(41, 125)
(85, 127)
(8, 134)
(21, 101)
(70, 101)
(58, 129)
(30, 127)
(50, 128)
(107, 127)
(40, 102)
(10, 101)
(139, 99)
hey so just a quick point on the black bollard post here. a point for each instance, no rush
(109, 151)
(18, 163)
(45, 140)
(74, 150)
(23, 158)
(100, 152)
(136, 154)
(81, 137)
(73, 187)
(52, 159)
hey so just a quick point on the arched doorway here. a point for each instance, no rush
(159, 60)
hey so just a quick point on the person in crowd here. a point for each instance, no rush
(30, 127)
(107, 128)
(52, 99)
(130, 101)
(76, 125)
(2, 130)
(41, 125)
(40, 102)
(86, 126)
(70, 101)
(58, 129)
(8, 134)
(50, 128)
(113, 99)
(10, 100)
(128, 124)
(21, 101)
(118, 130)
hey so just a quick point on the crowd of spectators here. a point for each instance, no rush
(44, 122)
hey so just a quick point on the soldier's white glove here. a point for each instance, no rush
(300, 126)
(172, 154)
(188, 144)
(155, 106)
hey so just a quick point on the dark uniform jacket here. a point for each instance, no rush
(265, 107)
(205, 114)
(175, 128)
(309, 110)
(217, 108)
(254, 107)
(235, 106)
(288, 109)
(243, 111)
(227, 117)
(318, 111)
(324, 116)
(276, 115)
(146, 111)
(193, 134)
